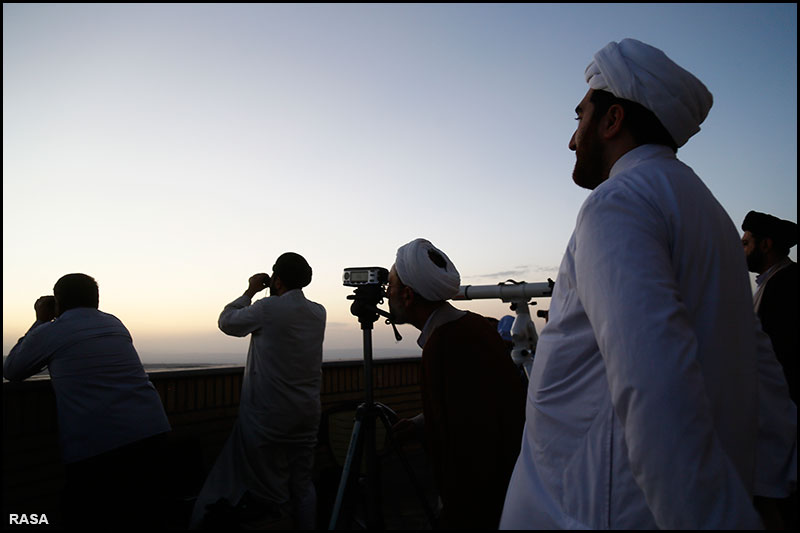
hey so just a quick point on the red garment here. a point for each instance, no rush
(474, 405)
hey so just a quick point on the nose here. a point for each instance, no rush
(572, 145)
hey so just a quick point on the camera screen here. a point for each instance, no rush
(358, 277)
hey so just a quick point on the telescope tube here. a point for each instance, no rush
(507, 293)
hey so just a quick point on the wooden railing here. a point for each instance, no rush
(201, 404)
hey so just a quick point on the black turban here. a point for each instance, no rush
(782, 232)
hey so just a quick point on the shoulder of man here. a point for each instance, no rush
(783, 285)
(649, 190)
(785, 277)
(790, 271)
(300, 295)
(471, 330)
(294, 299)
(80, 316)
(472, 344)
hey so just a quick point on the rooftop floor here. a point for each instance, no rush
(400, 496)
(400, 506)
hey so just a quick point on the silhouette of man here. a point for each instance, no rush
(110, 418)
(473, 399)
(265, 468)
(767, 240)
(648, 405)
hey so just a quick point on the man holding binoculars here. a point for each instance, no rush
(264, 471)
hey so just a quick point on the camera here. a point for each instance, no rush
(360, 276)
(370, 284)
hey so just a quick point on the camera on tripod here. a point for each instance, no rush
(360, 276)
(369, 283)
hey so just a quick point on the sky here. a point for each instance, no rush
(172, 151)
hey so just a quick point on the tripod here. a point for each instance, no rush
(362, 439)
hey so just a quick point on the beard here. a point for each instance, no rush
(397, 315)
(589, 167)
(755, 261)
(273, 289)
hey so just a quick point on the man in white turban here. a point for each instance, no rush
(655, 400)
(472, 395)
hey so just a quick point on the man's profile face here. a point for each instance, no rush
(393, 294)
(585, 142)
(753, 253)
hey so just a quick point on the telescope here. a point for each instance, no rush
(518, 294)
(508, 291)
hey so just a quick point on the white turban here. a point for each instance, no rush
(636, 71)
(417, 270)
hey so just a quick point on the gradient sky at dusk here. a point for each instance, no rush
(171, 151)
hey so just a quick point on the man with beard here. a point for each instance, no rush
(767, 240)
(472, 396)
(262, 479)
(654, 401)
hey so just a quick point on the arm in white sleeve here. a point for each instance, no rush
(29, 356)
(239, 318)
(628, 289)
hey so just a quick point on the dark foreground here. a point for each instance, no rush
(202, 405)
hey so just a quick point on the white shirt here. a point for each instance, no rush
(104, 398)
(643, 405)
(283, 375)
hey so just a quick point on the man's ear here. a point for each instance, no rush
(765, 244)
(612, 121)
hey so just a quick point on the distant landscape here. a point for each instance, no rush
(239, 358)
(167, 361)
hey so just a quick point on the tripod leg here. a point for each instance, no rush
(374, 513)
(353, 456)
(407, 466)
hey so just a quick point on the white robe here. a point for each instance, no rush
(280, 402)
(647, 404)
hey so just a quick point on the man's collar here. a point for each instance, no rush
(763, 277)
(637, 155)
(442, 315)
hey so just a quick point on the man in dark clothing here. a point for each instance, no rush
(111, 423)
(473, 399)
(767, 240)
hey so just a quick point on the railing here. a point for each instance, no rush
(201, 404)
